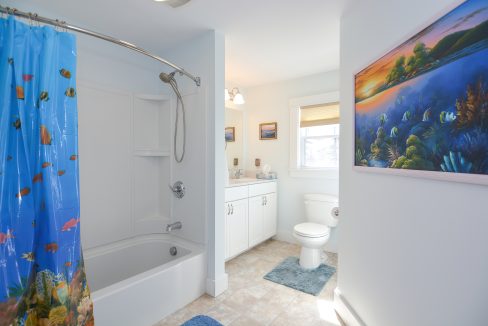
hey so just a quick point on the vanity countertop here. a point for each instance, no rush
(246, 182)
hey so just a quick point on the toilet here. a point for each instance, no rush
(321, 213)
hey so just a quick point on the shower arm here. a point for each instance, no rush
(62, 24)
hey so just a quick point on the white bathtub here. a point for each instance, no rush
(136, 282)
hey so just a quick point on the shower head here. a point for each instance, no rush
(167, 78)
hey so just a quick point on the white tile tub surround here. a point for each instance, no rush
(137, 281)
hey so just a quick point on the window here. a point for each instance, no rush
(319, 146)
(314, 147)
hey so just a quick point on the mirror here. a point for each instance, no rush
(235, 138)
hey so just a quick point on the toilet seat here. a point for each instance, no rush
(312, 230)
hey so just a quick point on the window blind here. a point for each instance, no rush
(319, 115)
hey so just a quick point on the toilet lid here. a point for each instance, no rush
(312, 230)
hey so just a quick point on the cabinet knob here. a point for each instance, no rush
(232, 209)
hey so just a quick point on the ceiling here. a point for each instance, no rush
(266, 40)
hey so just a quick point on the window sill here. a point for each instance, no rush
(327, 173)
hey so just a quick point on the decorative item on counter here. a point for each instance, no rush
(257, 162)
(236, 161)
(230, 134)
(266, 173)
(268, 131)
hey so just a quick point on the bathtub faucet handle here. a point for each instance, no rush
(174, 226)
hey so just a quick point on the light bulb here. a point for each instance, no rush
(239, 99)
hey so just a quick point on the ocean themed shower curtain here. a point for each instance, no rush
(42, 278)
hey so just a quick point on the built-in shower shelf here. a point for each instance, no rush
(152, 97)
(151, 153)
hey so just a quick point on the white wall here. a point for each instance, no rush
(411, 251)
(270, 103)
(235, 118)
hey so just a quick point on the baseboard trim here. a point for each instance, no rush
(285, 236)
(217, 286)
(345, 311)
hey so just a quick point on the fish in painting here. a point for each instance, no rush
(73, 157)
(68, 264)
(27, 77)
(406, 116)
(37, 178)
(447, 117)
(46, 164)
(427, 115)
(70, 224)
(5, 236)
(394, 132)
(61, 172)
(51, 247)
(65, 73)
(17, 124)
(29, 256)
(70, 92)
(9, 158)
(23, 192)
(45, 136)
(20, 92)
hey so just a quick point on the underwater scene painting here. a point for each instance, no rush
(424, 105)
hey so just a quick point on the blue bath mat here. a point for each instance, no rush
(202, 320)
(290, 274)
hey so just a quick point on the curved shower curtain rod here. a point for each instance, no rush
(64, 25)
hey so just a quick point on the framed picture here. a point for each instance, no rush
(422, 108)
(230, 134)
(268, 131)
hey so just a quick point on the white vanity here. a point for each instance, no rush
(250, 214)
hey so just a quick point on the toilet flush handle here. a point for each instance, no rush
(335, 212)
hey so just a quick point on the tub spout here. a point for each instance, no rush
(174, 226)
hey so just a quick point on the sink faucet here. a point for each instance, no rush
(174, 226)
(238, 173)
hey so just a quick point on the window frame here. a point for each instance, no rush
(295, 167)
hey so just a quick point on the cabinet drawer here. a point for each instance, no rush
(262, 188)
(236, 193)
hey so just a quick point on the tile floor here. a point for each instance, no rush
(254, 301)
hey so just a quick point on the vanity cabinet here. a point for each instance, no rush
(250, 216)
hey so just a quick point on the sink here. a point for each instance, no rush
(241, 180)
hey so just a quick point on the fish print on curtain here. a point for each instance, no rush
(42, 277)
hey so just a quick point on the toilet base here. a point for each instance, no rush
(310, 258)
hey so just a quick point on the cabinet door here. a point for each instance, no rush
(256, 211)
(237, 227)
(269, 215)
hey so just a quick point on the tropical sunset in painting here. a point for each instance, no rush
(424, 105)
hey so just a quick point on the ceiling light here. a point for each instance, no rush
(234, 95)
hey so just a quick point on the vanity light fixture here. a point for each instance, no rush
(234, 95)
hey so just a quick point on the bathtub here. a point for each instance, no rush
(137, 282)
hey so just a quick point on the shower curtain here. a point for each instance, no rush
(42, 278)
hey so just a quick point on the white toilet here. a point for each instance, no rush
(321, 212)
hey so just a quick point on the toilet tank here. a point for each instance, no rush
(321, 209)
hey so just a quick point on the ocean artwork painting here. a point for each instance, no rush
(230, 134)
(424, 105)
(268, 131)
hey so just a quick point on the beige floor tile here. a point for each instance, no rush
(223, 313)
(246, 321)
